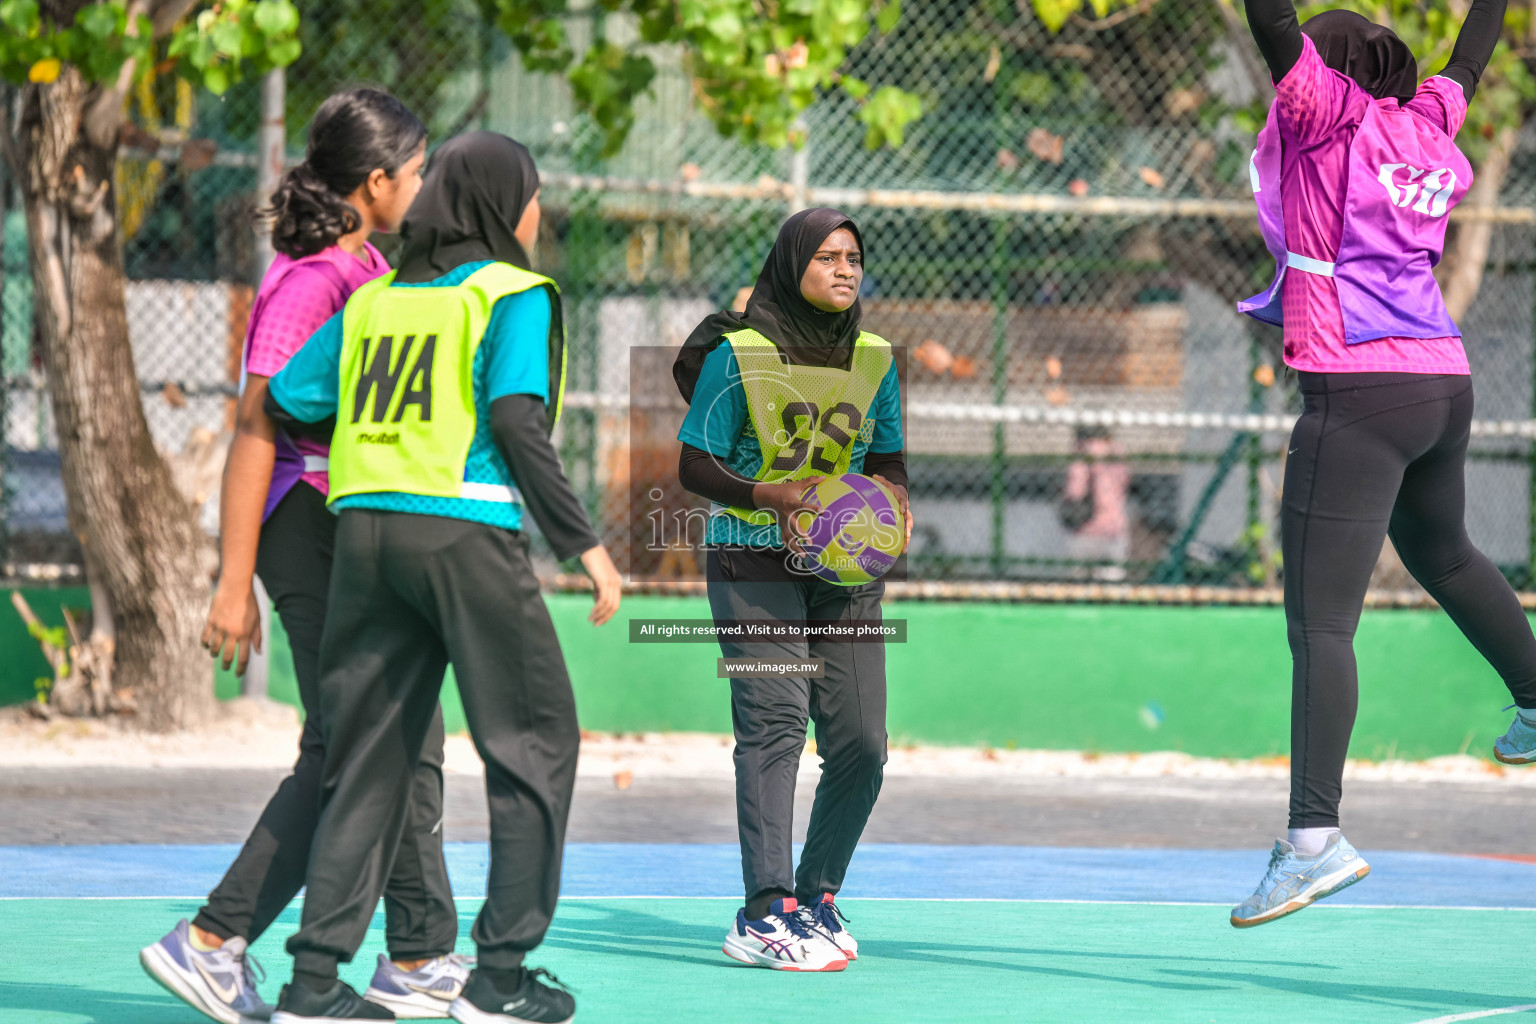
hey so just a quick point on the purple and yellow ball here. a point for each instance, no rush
(859, 532)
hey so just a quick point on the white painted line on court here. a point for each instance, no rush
(1478, 1014)
(1091, 903)
(903, 899)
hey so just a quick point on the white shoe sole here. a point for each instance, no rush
(466, 1012)
(741, 954)
(159, 966)
(419, 1006)
(1321, 889)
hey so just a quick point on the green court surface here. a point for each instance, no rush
(637, 961)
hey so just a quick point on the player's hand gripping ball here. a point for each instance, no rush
(858, 533)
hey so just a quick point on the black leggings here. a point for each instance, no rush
(294, 563)
(1378, 454)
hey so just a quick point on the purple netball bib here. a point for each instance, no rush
(1404, 177)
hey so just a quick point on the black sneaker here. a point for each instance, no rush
(340, 1004)
(539, 999)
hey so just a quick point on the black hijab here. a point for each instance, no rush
(1369, 53)
(777, 310)
(471, 198)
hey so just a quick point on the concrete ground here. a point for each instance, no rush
(61, 805)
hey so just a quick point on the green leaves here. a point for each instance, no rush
(755, 67)
(276, 20)
(53, 636)
(234, 37)
(98, 42)
(605, 83)
(103, 21)
(1055, 13)
(536, 30)
(214, 49)
(886, 116)
(725, 25)
(20, 16)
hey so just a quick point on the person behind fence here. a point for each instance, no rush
(1094, 503)
(1354, 174)
(361, 171)
(444, 380)
(801, 324)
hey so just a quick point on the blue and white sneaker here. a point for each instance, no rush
(220, 983)
(828, 919)
(425, 992)
(784, 940)
(1518, 745)
(1293, 882)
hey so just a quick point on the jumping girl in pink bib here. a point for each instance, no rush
(1354, 175)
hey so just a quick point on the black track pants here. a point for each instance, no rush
(294, 563)
(409, 595)
(769, 717)
(1376, 454)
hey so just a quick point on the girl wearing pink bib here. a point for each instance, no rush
(1354, 174)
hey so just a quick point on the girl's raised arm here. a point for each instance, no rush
(1278, 33)
(1474, 44)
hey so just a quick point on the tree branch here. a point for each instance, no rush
(63, 12)
(1101, 24)
(8, 151)
(103, 117)
(166, 13)
(1462, 271)
(1247, 55)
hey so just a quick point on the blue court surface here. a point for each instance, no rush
(947, 933)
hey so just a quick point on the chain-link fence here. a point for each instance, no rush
(1056, 248)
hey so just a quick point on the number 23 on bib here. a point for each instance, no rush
(806, 418)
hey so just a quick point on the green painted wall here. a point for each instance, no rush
(1077, 677)
(1208, 681)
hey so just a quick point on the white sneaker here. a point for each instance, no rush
(220, 983)
(826, 918)
(425, 992)
(1293, 881)
(784, 940)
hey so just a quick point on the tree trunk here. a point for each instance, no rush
(139, 535)
(1461, 272)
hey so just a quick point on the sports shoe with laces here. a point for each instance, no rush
(828, 918)
(339, 1004)
(424, 992)
(784, 940)
(1518, 744)
(539, 998)
(219, 983)
(1293, 882)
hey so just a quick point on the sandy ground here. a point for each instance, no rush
(252, 734)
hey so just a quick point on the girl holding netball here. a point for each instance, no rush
(796, 357)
